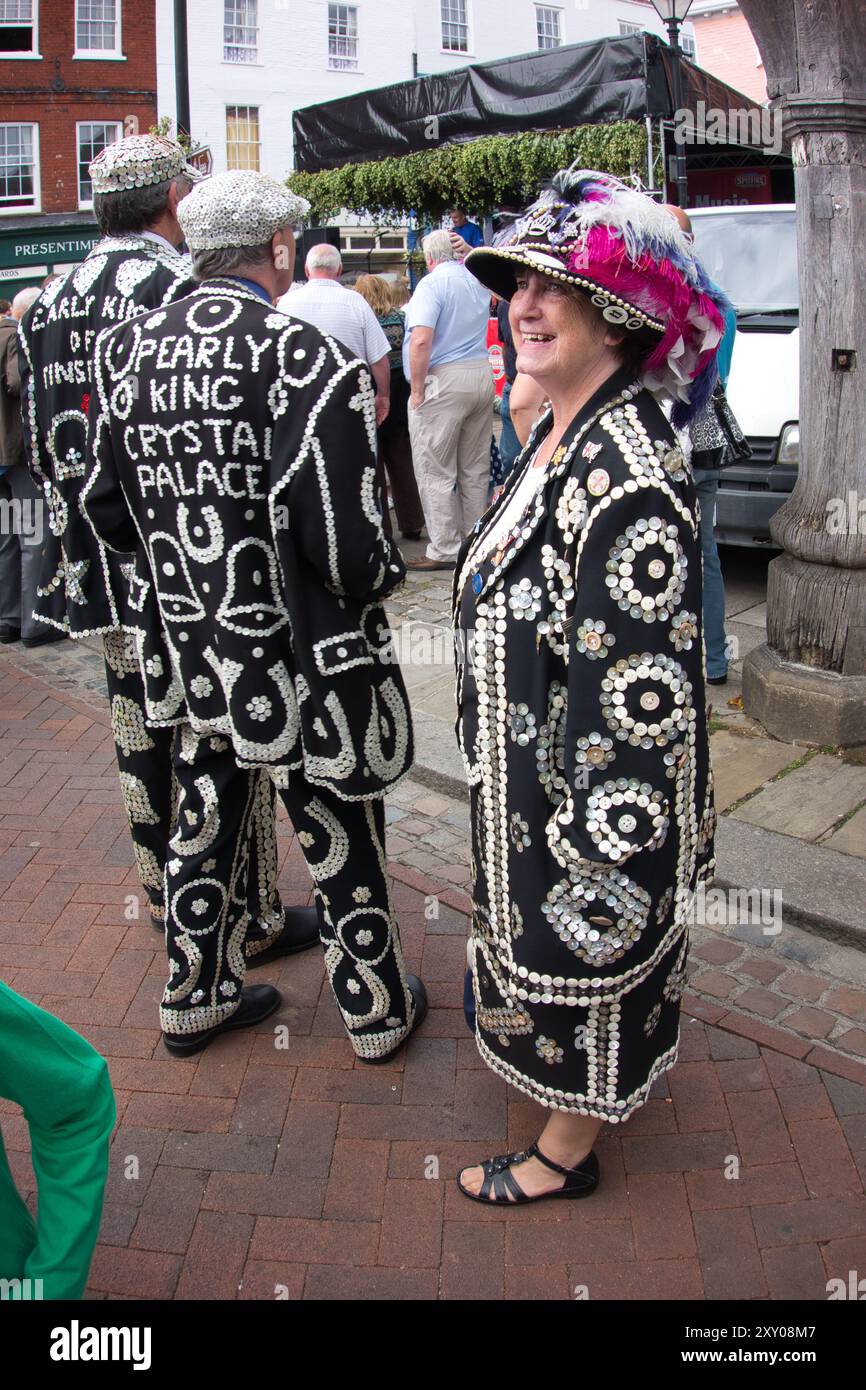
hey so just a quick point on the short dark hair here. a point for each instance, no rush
(228, 260)
(135, 209)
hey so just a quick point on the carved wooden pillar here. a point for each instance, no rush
(809, 681)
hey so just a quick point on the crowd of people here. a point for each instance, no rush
(213, 444)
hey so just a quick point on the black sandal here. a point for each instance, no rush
(579, 1182)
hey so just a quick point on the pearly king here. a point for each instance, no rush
(243, 476)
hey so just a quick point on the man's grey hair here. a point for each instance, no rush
(324, 257)
(23, 299)
(228, 260)
(135, 209)
(438, 248)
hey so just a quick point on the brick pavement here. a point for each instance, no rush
(257, 1171)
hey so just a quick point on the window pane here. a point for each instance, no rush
(97, 26)
(17, 173)
(16, 11)
(547, 23)
(626, 29)
(92, 139)
(455, 26)
(16, 26)
(342, 36)
(240, 31)
(242, 137)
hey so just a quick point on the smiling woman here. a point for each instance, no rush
(581, 713)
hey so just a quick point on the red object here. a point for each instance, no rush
(496, 355)
(725, 188)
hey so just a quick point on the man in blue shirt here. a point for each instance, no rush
(451, 399)
(707, 485)
(470, 231)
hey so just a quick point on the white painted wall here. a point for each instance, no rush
(292, 68)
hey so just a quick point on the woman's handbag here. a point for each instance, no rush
(716, 437)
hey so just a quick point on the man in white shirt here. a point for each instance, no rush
(343, 314)
(451, 402)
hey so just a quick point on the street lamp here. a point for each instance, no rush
(673, 12)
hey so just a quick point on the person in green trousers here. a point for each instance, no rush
(63, 1087)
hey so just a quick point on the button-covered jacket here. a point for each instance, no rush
(81, 588)
(233, 448)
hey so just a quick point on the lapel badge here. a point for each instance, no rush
(558, 455)
(590, 450)
(598, 482)
(476, 583)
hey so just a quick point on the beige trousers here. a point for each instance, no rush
(450, 436)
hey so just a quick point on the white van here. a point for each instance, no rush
(751, 253)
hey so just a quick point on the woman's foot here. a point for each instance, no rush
(515, 1177)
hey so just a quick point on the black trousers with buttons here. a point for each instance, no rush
(208, 934)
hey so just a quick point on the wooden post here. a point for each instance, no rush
(809, 681)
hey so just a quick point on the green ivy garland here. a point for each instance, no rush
(479, 175)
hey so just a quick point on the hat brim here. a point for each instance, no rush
(496, 268)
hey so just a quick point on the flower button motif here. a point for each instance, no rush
(524, 599)
(306, 839)
(684, 630)
(521, 723)
(548, 1050)
(353, 987)
(199, 906)
(593, 641)
(153, 666)
(361, 895)
(201, 686)
(364, 937)
(259, 707)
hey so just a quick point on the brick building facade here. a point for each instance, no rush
(74, 75)
(725, 47)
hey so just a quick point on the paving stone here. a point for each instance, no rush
(797, 1273)
(808, 801)
(825, 1158)
(727, 1187)
(730, 1260)
(473, 1261)
(217, 1253)
(850, 838)
(742, 765)
(411, 1224)
(718, 952)
(220, 1153)
(168, 1213)
(802, 986)
(672, 1281)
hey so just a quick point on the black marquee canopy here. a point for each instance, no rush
(617, 79)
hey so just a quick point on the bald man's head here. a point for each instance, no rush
(681, 216)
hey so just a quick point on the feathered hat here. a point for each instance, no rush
(632, 260)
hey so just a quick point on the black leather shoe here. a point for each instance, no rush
(53, 635)
(258, 1002)
(300, 932)
(10, 634)
(419, 994)
(717, 680)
